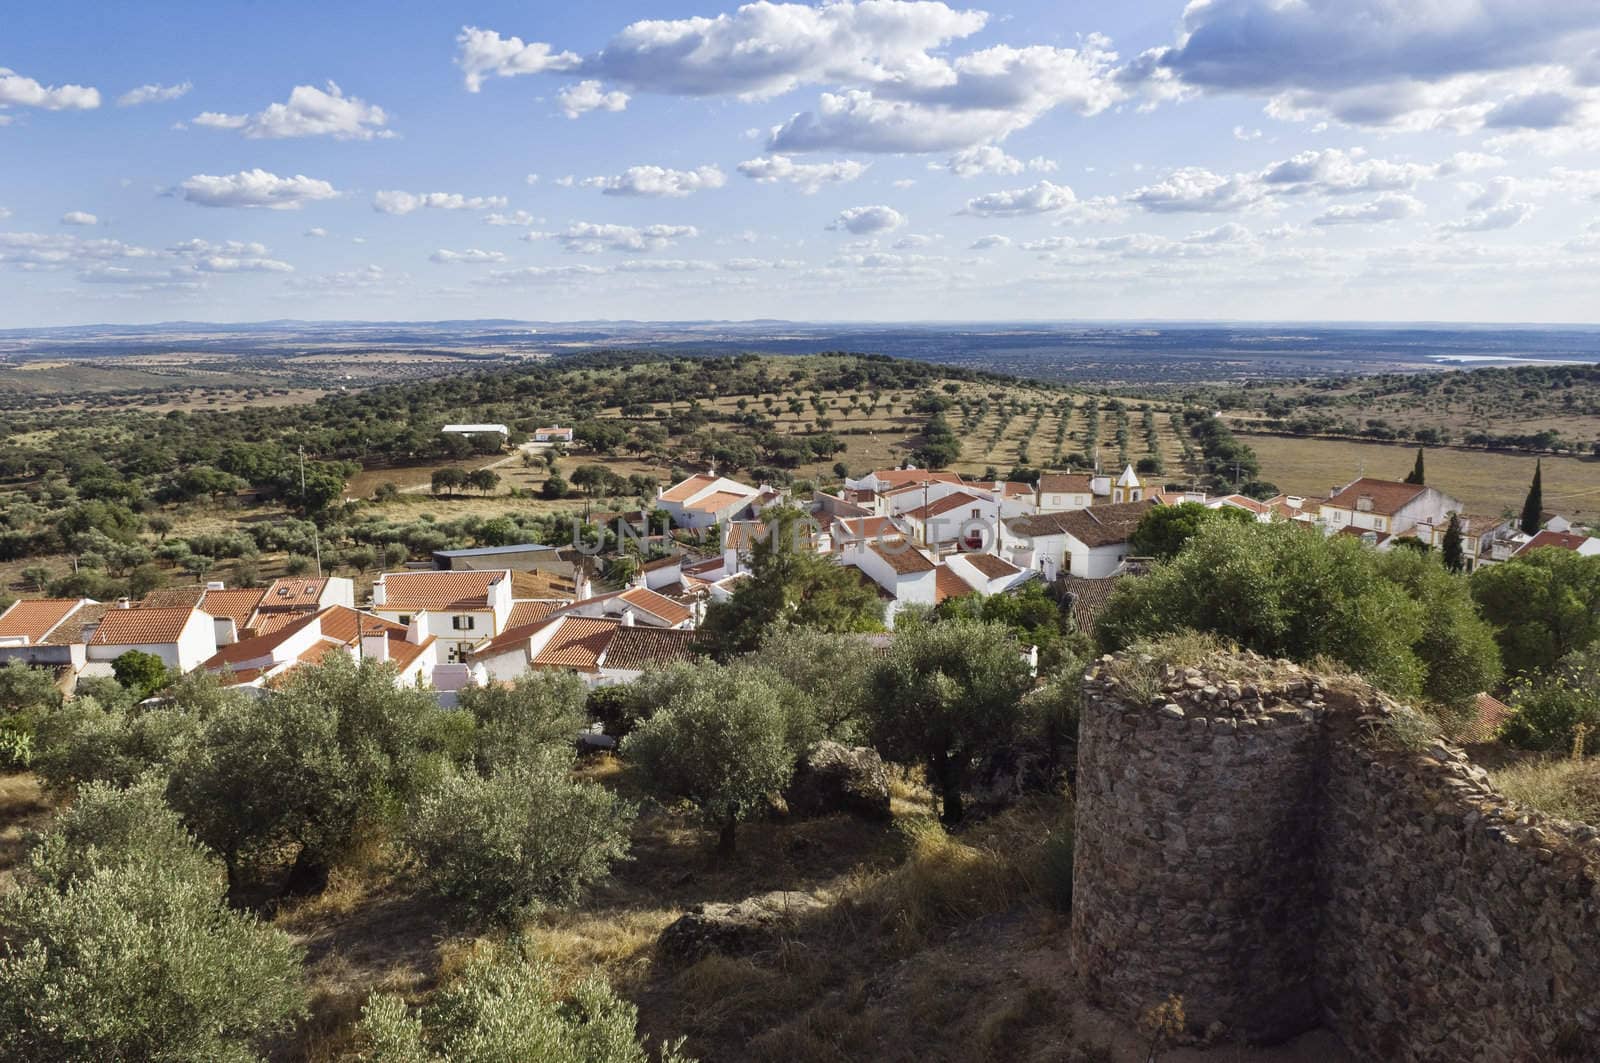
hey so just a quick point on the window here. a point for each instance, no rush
(405, 618)
(463, 623)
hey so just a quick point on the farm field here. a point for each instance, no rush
(1486, 482)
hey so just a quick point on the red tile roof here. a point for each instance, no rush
(1560, 540)
(533, 610)
(991, 566)
(577, 643)
(639, 648)
(36, 618)
(717, 500)
(905, 560)
(141, 627)
(236, 604)
(412, 592)
(1388, 497)
(896, 479)
(538, 584)
(685, 489)
(949, 502)
(297, 593)
(1065, 483)
(947, 583)
(656, 605)
(1095, 526)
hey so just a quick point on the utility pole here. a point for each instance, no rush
(316, 540)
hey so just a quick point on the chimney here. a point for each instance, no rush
(124, 603)
(380, 593)
(375, 647)
(417, 630)
(216, 585)
(627, 618)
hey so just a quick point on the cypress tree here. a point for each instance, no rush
(1454, 559)
(1535, 501)
(1416, 476)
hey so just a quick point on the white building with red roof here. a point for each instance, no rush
(260, 661)
(464, 608)
(1386, 507)
(182, 636)
(599, 650)
(49, 632)
(705, 499)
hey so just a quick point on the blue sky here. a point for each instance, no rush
(855, 160)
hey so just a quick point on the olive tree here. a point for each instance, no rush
(506, 1006)
(118, 944)
(516, 724)
(522, 837)
(728, 736)
(944, 694)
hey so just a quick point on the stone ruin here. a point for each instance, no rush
(1248, 837)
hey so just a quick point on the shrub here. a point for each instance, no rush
(1566, 788)
(119, 945)
(141, 673)
(523, 837)
(540, 713)
(505, 1006)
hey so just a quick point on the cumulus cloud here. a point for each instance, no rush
(152, 94)
(1042, 198)
(658, 181)
(1336, 172)
(1391, 206)
(588, 96)
(471, 256)
(532, 275)
(369, 278)
(808, 176)
(79, 217)
(390, 201)
(589, 238)
(131, 267)
(519, 218)
(987, 159)
(895, 89)
(19, 91)
(255, 188)
(309, 112)
(752, 265)
(664, 265)
(1192, 189)
(863, 221)
(1494, 206)
(1535, 110)
(1382, 62)
(984, 243)
(316, 232)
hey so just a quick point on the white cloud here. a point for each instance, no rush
(866, 220)
(989, 159)
(390, 201)
(809, 176)
(19, 91)
(527, 275)
(1336, 172)
(664, 265)
(316, 231)
(1391, 206)
(370, 278)
(79, 217)
(752, 265)
(310, 112)
(1241, 133)
(255, 188)
(588, 96)
(4, 213)
(152, 94)
(471, 256)
(484, 53)
(984, 243)
(1046, 197)
(589, 238)
(658, 181)
(518, 218)
(1192, 189)
(1493, 207)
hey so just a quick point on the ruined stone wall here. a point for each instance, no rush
(1244, 842)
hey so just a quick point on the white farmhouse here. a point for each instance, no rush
(1091, 543)
(464, 607)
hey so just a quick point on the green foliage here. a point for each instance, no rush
(945, 693)
(1548, 713)
(1450, 550)
(1285, 592)
(505, 1006)
(1457, 648)
(340, 748)
(726, 736)
(525, 836)
(1533, 505)
(1164, 530)
(26, 695)
(833, 671)
(790, 584)
(520, 724)
(141, 673)
(119, 945)
(84, 742)
(1035, 617)
(1542, 606)
(1418, 474)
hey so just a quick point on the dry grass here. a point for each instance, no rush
(23, 808)
(1485, 482)
(1567, 788)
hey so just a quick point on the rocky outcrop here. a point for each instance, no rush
(1250, 837)
(733, 929)
(837, 778)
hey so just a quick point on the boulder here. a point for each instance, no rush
(837, 778)
(732, 929)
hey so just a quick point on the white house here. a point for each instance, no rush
(904, 574)
(182, 637)
(552, 435)
(1577, 542)
(259, 661)
(635, 605)
(967, 518)
(1261, 511)
(1384, 507)
(464, 607)
(599, 650)
(987, 573)
(1479, 536)
(474, 430)
(1091, 543)
(704, 499)
(49, 632)
(1065, 491)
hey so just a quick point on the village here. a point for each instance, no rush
(916, 537)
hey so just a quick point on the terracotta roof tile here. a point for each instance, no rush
(949, 502)
(532, 610)
(1561, 540)
(947, 583)
(1095, 526)
(539, 584)
(1088, 598)
(991, 566)
(141, 627)
(657, 605)
(1388, 497)
(905, 560)
(1066, 483)
(236, 604)
(638, 648)
(411, 592)
(77, 626)
(295, 593)
(717, 500)
(685, 489)
(577, 643)
(34, 619)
